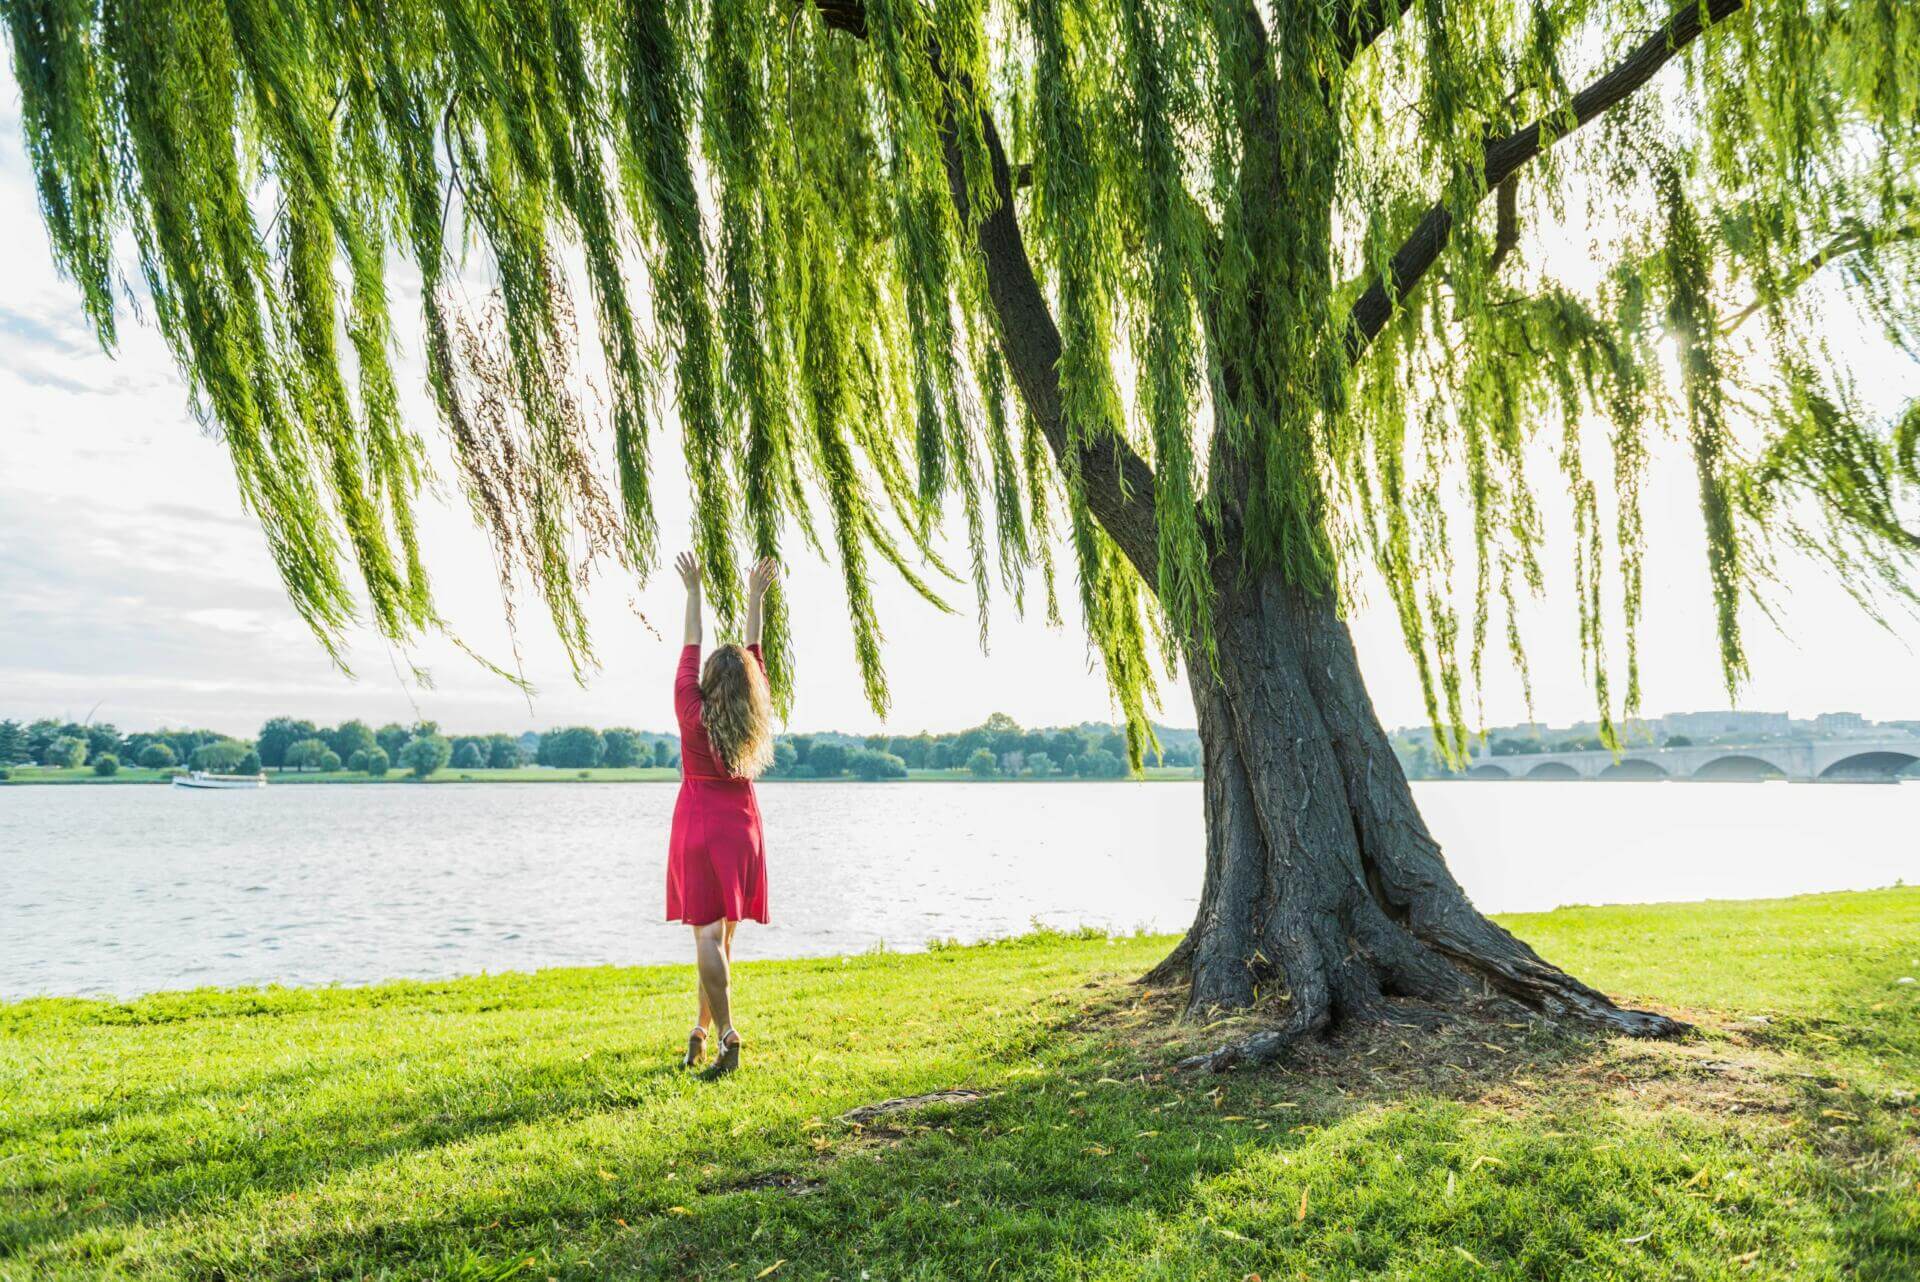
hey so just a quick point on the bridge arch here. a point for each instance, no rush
(1739, 766)
(1878, 764)
(1553, 770)
(1489, 771)
(1634, 768)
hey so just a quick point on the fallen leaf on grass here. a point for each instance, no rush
(1636, 1241)
(1839, 1115)
(1484, 1160)
(1699, 1180)
(770, 1270)
(1469, 1257)
(607, 1175)
(1300, 1215)
(1748, 1258)
(678, 1210)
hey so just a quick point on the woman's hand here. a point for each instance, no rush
(759, 579)
(688, 563)
(761, 576)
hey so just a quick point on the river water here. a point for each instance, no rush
(124, 889)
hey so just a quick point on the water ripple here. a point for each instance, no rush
(126, 889)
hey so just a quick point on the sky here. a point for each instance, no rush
(134, 589)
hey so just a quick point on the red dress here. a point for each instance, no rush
(716, 858)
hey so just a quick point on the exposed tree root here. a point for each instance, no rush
(1322, 880)
(1300, 1031)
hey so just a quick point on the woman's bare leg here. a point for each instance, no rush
(711, 951)
(726, 946)
(699, 985)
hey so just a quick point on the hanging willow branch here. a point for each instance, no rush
(805, 245)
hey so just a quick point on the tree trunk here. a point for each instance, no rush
(1322, 881)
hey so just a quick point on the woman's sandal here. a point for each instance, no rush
(696, 1048)
(729, 1058)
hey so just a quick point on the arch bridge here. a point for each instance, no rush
(1828, 761)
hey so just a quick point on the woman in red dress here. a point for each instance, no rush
(716, 859)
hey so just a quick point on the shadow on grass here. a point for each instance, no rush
(1089, 1157)
(1856, 1088)
(1467, 1150)
(150, 1157)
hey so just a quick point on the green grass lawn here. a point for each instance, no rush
(1153, 774)
(81, 774)
(516, 774)
(534, 1125)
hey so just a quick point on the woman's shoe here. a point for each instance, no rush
(729, 1058)
(696, 1048)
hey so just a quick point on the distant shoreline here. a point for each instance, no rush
(82, 775)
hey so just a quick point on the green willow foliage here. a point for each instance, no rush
(760, 196)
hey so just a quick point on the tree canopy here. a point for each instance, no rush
(1179, 281)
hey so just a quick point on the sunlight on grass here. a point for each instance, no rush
(534, 1125)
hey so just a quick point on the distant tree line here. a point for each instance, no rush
(101, 745)
(997, 748)
(293, 744)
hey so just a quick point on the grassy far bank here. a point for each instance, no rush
(518, 774)
(533, 1126)
(533, 774)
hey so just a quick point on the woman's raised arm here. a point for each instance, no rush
(759, 579)
(689, 566)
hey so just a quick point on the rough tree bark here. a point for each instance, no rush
(1322, 881)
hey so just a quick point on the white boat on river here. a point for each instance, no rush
(201, 779)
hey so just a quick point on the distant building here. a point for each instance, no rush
(1730, 721)
(1841, 724)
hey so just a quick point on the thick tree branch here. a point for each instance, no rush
(1361, 22)
(1118, 483)
(1506, 227)
(1506, 154)
(1841, 246)
(849, 16)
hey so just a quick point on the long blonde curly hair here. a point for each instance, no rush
(737, 711)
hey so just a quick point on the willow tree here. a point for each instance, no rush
(1234, 300)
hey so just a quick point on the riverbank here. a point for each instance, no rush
(24, 775)
(533, 1125)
